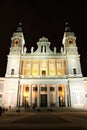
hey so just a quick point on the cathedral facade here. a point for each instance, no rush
(43, 78)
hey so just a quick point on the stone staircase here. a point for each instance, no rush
(47, 109)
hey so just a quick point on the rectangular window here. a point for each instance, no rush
(12, 71)
(74, 70)
(44, 48)
(34, 88)
(41, 48)
(44, 72)
(52, 89)
(43, 88)
(27, 89)
(60, 88)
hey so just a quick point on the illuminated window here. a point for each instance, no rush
(51, 67)
(60, 67)
(34, 67)
(61, 95)
(27, 67)
(26, 90)
(43, 68)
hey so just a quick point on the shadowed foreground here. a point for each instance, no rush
(44, 120)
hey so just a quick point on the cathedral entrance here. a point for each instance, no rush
(43, 100)
(43, 95)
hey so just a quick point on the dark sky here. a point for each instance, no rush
(43, 18)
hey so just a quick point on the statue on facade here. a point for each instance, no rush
(32, 49)
(54, 49)
(25, 50)
(61, 50)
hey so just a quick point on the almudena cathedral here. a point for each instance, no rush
(43, 78)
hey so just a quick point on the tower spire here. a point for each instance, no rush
(19, 28)
(67, 27)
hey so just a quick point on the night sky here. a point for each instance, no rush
(43, 18)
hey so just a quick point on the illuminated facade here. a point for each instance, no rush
(43, 78)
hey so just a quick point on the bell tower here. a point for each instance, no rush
(71, 52)
(17, 41)
(16, 50)
(69, 41)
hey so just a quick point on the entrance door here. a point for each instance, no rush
(43, 100)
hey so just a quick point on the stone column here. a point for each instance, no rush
(31, 68)
(18, 94)
(21, 95)
(23, 68)
(69, 96)
(63, 66)
(65, 95)
(48, 96)
(48, 67)
(38, 96)
(55, 68)
(39, 67)
(31, 95)
(57, 99)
